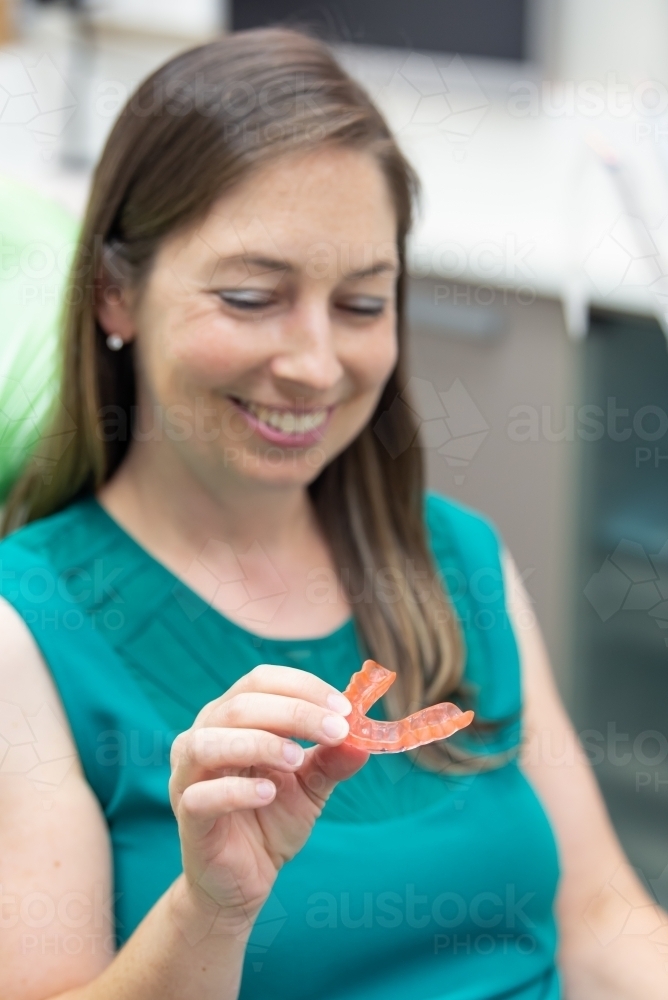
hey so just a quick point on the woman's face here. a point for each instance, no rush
(266, 333)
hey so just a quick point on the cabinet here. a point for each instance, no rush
(621, 606)
(564, 444)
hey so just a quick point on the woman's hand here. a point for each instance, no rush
(246, 795)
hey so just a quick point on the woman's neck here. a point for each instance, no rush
(252, 550)
(156, 497)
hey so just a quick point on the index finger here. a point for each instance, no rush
(270, 678)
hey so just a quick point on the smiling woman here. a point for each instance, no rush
(227, 534)
(248, 251)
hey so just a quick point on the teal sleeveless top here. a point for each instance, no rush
(412, 885)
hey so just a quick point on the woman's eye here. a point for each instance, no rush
(249, 299)
(364, 305)
(245, 298)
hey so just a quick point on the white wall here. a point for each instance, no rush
(625, 37)
(185, 18)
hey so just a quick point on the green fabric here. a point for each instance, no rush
(37, 239)
(411, 885)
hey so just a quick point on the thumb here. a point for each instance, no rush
(324, 767)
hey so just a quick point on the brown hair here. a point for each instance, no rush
(194, 128)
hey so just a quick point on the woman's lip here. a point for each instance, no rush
(284, 438)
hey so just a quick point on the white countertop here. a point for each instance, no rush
(514, 193)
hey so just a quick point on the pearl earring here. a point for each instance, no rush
(115, 342)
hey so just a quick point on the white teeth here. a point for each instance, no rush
(287, 421)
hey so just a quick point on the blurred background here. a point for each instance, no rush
(538, 294)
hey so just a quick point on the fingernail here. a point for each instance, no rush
(264, 789)
(339, 703)
(334, 726)
(293, 753)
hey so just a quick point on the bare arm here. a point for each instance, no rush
(613, 934)
(56, 929)
(56, 921)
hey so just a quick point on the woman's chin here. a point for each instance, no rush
(274, 465)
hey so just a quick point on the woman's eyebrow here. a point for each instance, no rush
(263, 264)
(381, 267)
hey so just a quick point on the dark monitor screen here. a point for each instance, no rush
(492, 28)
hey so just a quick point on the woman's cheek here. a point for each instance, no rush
(209, 361)
(374, 362)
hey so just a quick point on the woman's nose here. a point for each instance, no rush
(308, 354)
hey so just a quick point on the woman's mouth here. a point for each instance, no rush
(287, 426)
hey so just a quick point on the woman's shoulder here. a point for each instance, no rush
(466, 548)
(458, 532)
(56, 536)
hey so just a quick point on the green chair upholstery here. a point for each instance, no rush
(37, 240)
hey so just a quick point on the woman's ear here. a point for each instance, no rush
(112, 307)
